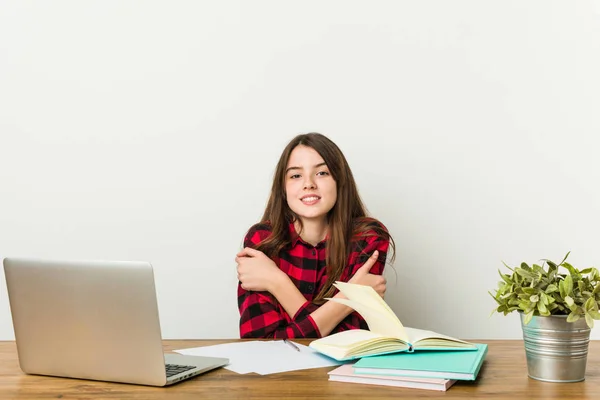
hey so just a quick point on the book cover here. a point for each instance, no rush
(345, 373)
(386, 333)
(457, 365)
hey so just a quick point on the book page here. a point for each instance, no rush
(348, 338)
(366, 295)
(423, 338)
(380, 318)
(378, 322)
(355, 343)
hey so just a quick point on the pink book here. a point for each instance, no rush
(345, 373)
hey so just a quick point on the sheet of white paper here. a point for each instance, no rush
(264, 357)
(282, 357)
(241, 355)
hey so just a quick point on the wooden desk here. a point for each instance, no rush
(503, 376)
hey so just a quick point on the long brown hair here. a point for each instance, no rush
(347, 218)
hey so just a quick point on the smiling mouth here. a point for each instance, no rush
(310, 199)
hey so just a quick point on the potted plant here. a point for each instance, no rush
(558, 304)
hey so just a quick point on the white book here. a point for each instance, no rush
(345, 373)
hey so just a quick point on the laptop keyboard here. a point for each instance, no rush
(174, 369)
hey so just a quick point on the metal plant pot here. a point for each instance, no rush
(556, 350)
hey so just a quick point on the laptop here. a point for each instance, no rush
(93, 320)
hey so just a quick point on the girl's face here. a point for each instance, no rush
(310, 189)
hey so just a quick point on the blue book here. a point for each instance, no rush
(458, 365)
(386, 333)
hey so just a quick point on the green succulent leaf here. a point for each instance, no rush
(591, 304)
(589, 320)
(565, 259)
(525, 306)
(529, 291)
(505, 277)
(545, 298)
(494, 297)
(551, 266)
(561, 289)
(594, 314)
(574, 308)
(542, 309)
(573, 317)
(551, 288)
(568, 284)
(525, 273)
(571, 270)
(507, 266)
(569, 300)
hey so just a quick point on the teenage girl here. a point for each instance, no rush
(315, 231)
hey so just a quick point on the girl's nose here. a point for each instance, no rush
(309, 184)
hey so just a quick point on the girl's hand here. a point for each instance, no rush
(256, 271)
(363, 277)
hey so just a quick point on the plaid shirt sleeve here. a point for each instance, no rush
(261, 316)
(362, 249)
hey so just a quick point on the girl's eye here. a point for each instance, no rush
(295, 176)
(323, 173)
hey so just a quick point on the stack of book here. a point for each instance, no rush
(390, 354)
(433, 370)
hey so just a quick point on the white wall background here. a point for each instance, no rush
(150, 130)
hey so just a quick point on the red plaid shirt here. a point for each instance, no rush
(261, 316)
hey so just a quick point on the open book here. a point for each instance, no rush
(386, 333)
